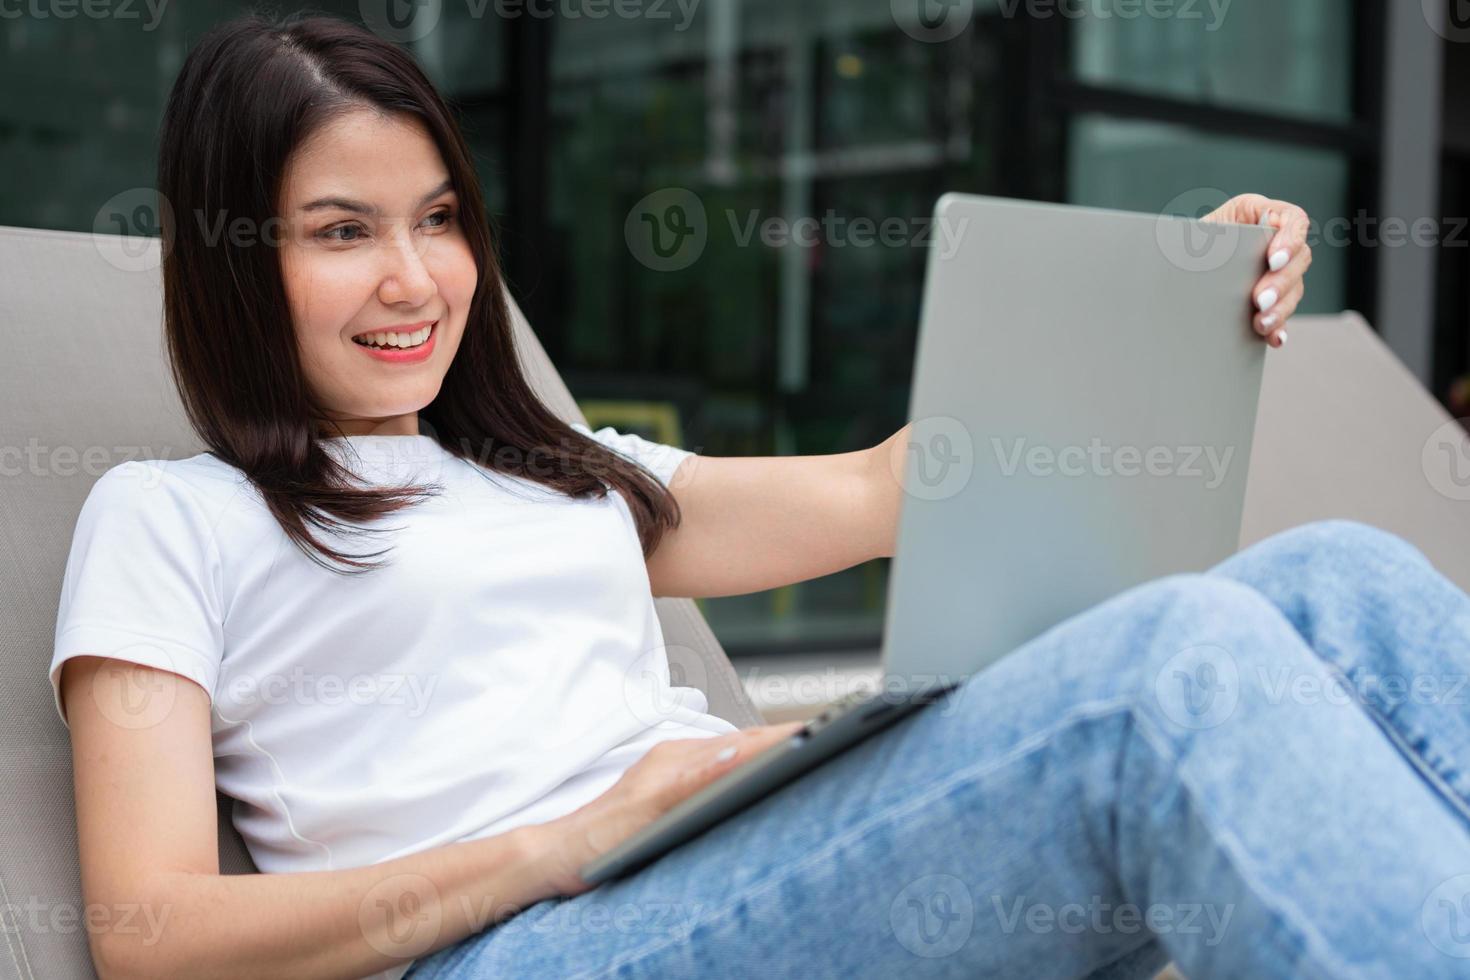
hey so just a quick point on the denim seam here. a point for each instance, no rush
(1228, 844)
(1089, 711)
(1404, 736)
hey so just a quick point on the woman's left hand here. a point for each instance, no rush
(1280, 290)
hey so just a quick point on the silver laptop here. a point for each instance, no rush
(1084, 398)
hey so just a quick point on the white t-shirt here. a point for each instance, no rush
(504, 667)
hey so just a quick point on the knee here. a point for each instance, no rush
(1214, 640)
(1207, 616)
(1339, 545)
(1196, 610)
(1192, 596)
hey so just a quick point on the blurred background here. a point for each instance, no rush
(586, 114)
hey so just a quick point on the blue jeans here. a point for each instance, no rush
(1257, 771)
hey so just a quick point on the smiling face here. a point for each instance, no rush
(374, 243)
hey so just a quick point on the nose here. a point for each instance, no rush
(406, 277)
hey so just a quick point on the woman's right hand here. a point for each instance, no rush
(665, 775)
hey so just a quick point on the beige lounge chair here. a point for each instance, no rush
(1345, 431)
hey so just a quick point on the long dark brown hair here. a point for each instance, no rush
(250, 92)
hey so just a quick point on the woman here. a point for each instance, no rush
(425, 749)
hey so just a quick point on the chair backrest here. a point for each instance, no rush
(84, 386)
(1344, 429)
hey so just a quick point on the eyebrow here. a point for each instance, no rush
(347, 204)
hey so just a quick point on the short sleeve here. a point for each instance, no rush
(143, 579)
(658, 458)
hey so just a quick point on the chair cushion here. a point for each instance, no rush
(1345, 430)
(86, 388)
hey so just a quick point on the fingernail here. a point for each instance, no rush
(1283, 339)
(1266, 300)
(1279, 260)
(1266, 219)
(1269, 321)
(725, 754)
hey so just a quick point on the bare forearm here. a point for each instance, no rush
(885, 491)
(328, 924)
(752, 523)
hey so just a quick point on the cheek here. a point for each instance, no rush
(458, 276)
(323, 302)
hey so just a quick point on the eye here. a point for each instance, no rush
(331, 233)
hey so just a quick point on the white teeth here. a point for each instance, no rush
(396, 339)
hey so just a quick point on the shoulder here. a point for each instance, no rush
(203, 477)
(198, 489)
(660, 459)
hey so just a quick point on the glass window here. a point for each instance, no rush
(781, 319)
(1285, 58)
(86, 97)
(1138, 166)
(730, 253)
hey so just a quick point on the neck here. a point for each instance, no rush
(398, 425)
